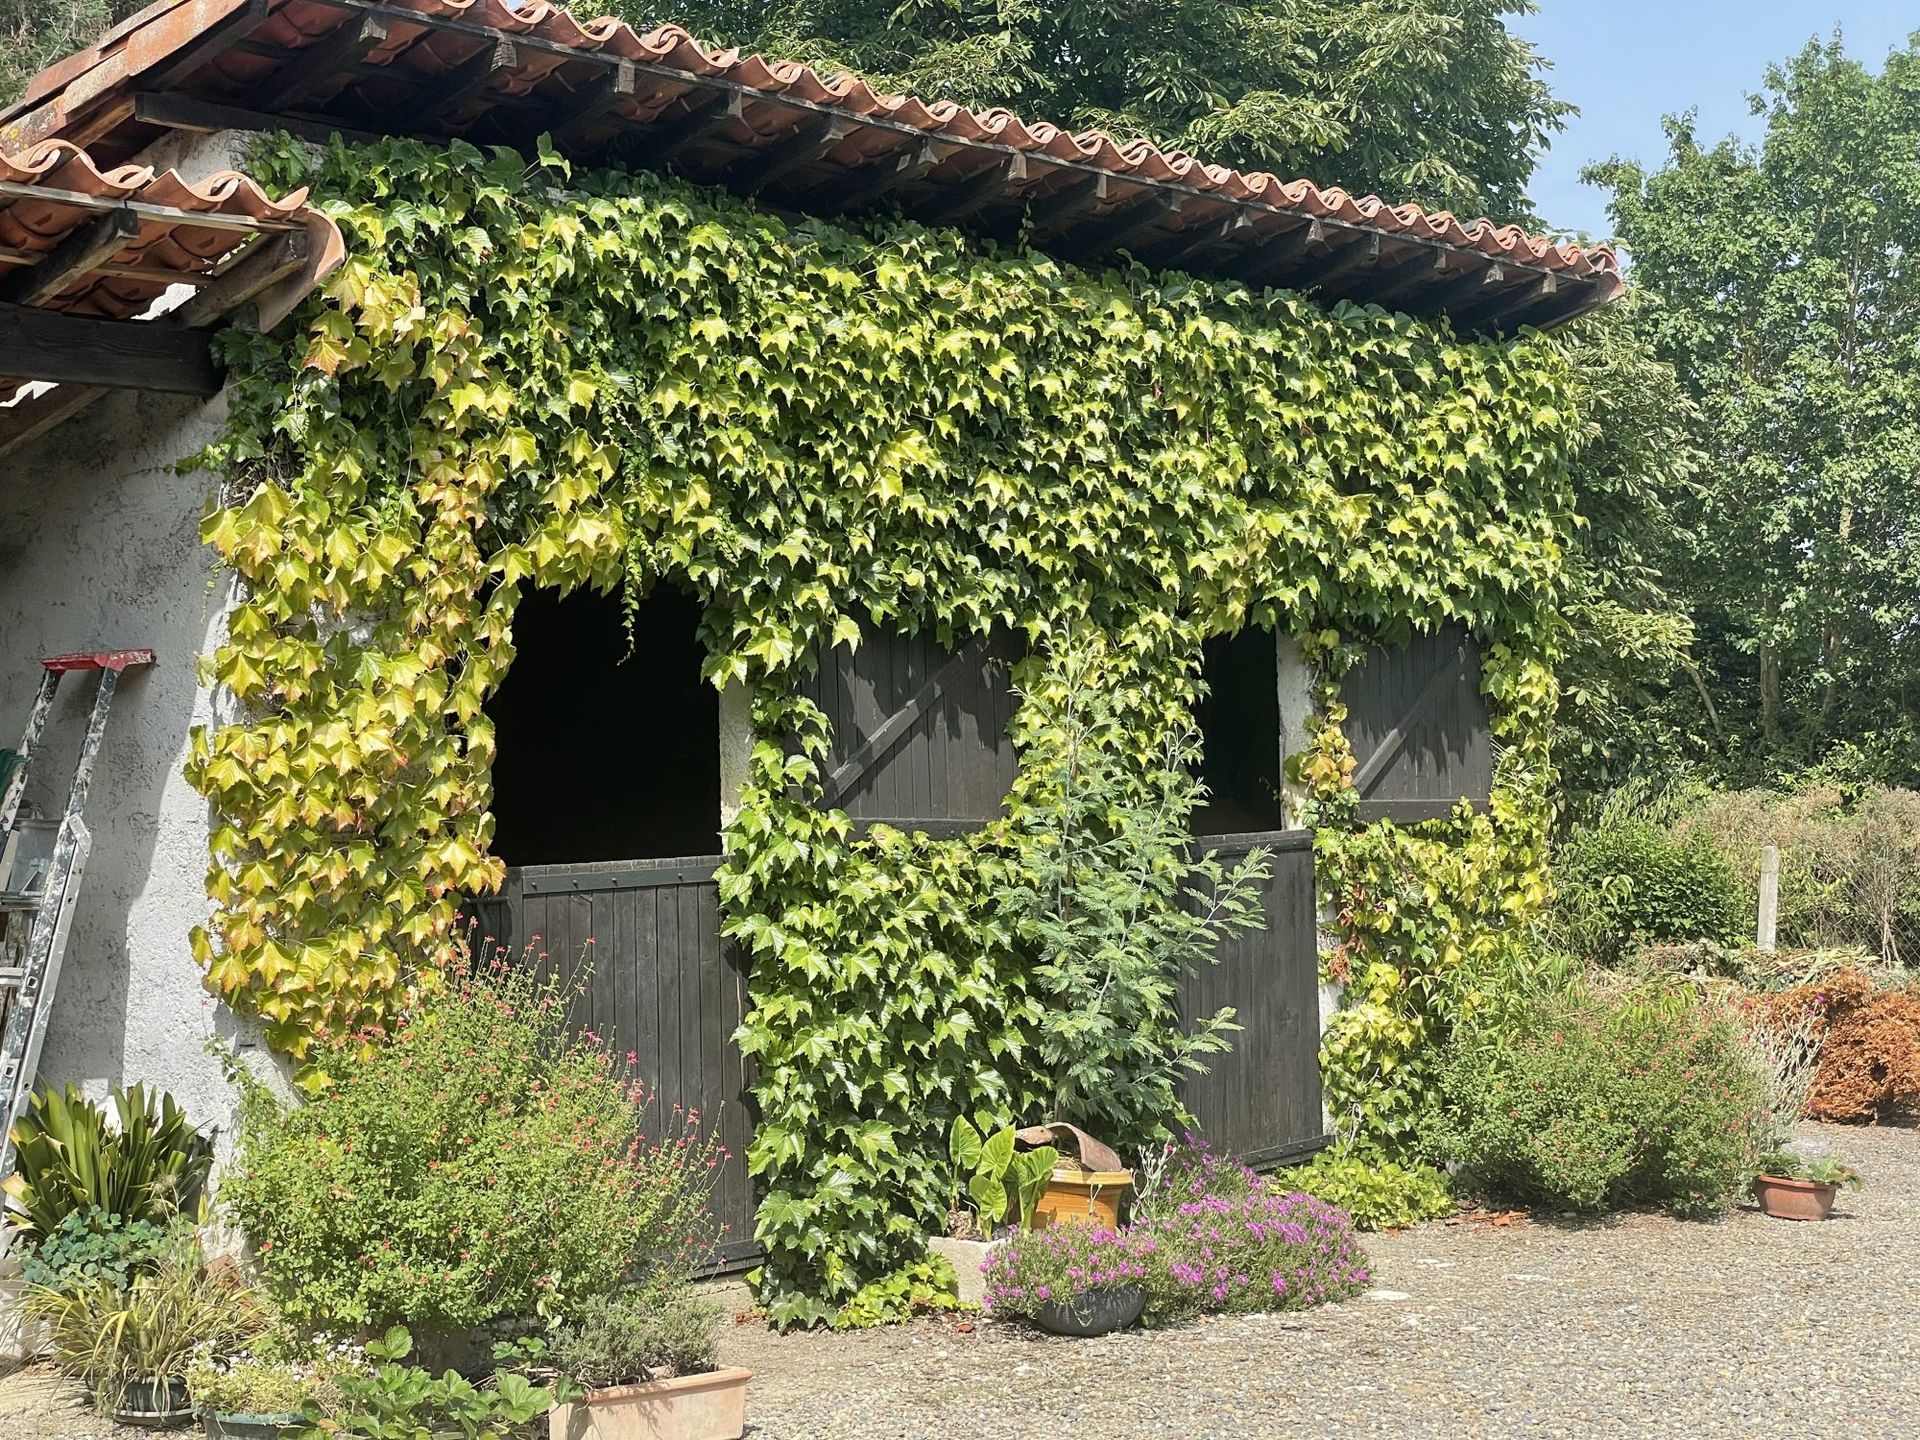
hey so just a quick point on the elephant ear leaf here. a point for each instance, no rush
(997, 1154)
(964, 1145)
(989, 1195)
(1031, 1171)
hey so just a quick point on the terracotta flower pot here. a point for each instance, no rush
(1082, 1197)
(1785, 1199)
(712, 1406)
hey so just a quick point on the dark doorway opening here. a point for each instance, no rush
(1239, 720)
(604, 754)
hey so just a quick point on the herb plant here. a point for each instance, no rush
(496, 1168)
(90, 1246)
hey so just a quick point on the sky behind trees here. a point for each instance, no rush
(1629, 62)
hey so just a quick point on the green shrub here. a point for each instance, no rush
(90, 1246)
(153, 1166)
(924, 1284)
(646, 1332)
(1626, 882)
(473, 1165)
(1594, 1101)
(1379, 1194)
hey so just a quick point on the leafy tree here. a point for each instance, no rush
(1788, 303)
(35, 33)
(1430, 100)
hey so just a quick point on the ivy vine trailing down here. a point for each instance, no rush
(529, 377)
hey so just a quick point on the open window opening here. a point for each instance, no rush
(604, 754)
(1239, 719)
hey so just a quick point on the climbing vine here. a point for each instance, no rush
(525, 376)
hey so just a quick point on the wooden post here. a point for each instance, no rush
(1769, 895)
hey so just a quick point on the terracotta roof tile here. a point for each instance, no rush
(173, 231)
(500, 72)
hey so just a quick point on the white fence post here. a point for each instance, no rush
(1769, 895)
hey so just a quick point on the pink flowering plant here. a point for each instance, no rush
(478, 1162)
(1255, 1251)
(1061, 1265)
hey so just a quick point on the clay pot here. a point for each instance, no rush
(1082, 1197)
(1785, 1199)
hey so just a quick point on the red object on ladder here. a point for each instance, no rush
(40, 884)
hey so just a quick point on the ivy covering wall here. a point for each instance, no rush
(530, 377)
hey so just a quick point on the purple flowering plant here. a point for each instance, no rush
(1257, 1251)
(1063, 1264)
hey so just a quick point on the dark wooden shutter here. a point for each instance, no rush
(919, 731)
(1417, 721)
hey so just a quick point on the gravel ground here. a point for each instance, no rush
(1631, 1328)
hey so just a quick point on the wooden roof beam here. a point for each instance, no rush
(1053, 213)
(311, 68)
(1462, 291)
(968, 197)
(81, 254)
(1495, 308)
(570, 127)
(880, 178)
(115, 354)
(1139, 221)
(1428, 265)
(813, 139)
(1363, 249)
(213, 44)
(181, 112)
(458, 86)
(673, 138)
(1270, 257)
(1204, 240)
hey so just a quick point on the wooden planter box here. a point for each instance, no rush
(1082, 1197)
(712, 1406)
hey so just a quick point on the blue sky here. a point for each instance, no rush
(1626, 63)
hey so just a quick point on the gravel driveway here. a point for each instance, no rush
(1632, 1328)
(1623, 1330)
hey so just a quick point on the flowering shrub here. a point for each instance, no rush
(473, 1164)
(1262, 1251)
(1062, 1264)
(1176, 1175)
(1590, 1100)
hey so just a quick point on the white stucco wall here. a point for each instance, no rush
(99, 549)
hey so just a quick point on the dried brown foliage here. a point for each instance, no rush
(1869, 1046)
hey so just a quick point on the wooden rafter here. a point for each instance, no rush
(114, 354)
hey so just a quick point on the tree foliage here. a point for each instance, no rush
(1427, 100)
(1785, 297)
(35, 33)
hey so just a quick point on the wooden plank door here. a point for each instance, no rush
(1261, 1100)
(658, 980)
(1418, 725)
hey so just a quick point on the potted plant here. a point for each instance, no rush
(647, 1359)
(1085, 1188)
(1791, 1188)
(1070, 1279)
(131, 1346)
(264, 1392)
(994, 1185)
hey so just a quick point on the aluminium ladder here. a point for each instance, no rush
(40, 868)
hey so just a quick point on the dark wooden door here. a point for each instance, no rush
(1418, 724)
(659, 982)
(919, 731)
(1261, 1100)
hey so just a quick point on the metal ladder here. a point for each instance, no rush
(40, 868)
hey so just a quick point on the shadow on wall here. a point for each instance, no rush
(99, 548)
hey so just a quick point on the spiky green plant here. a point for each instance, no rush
(153, 1166)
